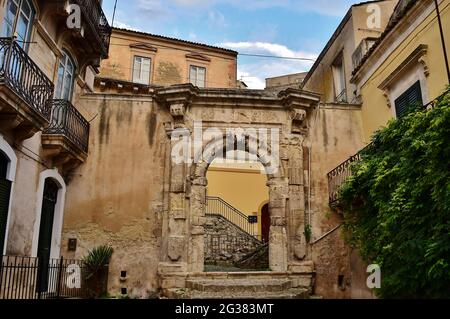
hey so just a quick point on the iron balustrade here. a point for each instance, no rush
(217, 206)
(31, 278)
(342, 97)
(20, 74)
(338, 176)
(97, 21)
(67, 121)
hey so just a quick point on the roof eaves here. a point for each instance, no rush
(207, 46)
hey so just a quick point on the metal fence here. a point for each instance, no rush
(32, 278)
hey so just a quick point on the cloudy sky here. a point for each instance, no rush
(288, 28)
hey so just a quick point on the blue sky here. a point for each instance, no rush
(293, 28)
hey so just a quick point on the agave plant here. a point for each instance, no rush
(97, 259)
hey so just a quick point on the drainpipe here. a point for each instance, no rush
(444, 48)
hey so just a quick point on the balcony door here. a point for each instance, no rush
(18, 20)
(66, 77)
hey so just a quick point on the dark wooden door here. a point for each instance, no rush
(45, 232)
(5, 192)
(265, 223)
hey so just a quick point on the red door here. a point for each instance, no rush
(265, 223)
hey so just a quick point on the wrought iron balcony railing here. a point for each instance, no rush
(342, 97)
(24, 77)
(338, 176)
(97, 21)
(68, 122)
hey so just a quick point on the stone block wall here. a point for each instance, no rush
(225, 243)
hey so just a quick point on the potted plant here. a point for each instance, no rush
(96, 266)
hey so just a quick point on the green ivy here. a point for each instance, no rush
(397, 204)
(308, 233)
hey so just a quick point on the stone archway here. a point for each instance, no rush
(278, 185)
(182, 246)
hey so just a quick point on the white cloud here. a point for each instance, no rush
(217, 19)
(122, 25)
(253, 82)
(255, 70)
(192, 35)
(266, 47)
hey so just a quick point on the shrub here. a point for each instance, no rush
(397, 204)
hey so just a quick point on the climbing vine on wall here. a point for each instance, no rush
(397, 204)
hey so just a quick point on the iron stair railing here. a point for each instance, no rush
(217, 206)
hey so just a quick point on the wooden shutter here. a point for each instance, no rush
(412, 97)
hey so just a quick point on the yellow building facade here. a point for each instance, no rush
(409, 53)
(243, 186)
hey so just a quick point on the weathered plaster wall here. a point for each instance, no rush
(23, 207)
(335, 135)
(169, 61)
(116, 197)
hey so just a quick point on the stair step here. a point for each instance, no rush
(292, 293)
(239, 285)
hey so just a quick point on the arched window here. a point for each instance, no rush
(66, 77)
(19, 15)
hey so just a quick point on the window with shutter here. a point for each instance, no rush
(141, 70)
(412, 97)
(197, 76)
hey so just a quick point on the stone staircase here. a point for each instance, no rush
(262, 285)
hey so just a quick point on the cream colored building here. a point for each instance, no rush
(46, 63)
(149, 59)
(280, 83)
(331, 73)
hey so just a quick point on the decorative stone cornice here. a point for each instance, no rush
(197, 56)
(177, 99)
(300, 103)
(144, 46)
(294, 98)
(418, 56)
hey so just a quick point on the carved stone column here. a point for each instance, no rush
(278, 252)
(197, 210)
(297, 247)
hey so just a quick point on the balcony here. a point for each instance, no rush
(338, 176)
(362, 50)
(66, 140)
(341, 97)
(24, 91)
(98, 24)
